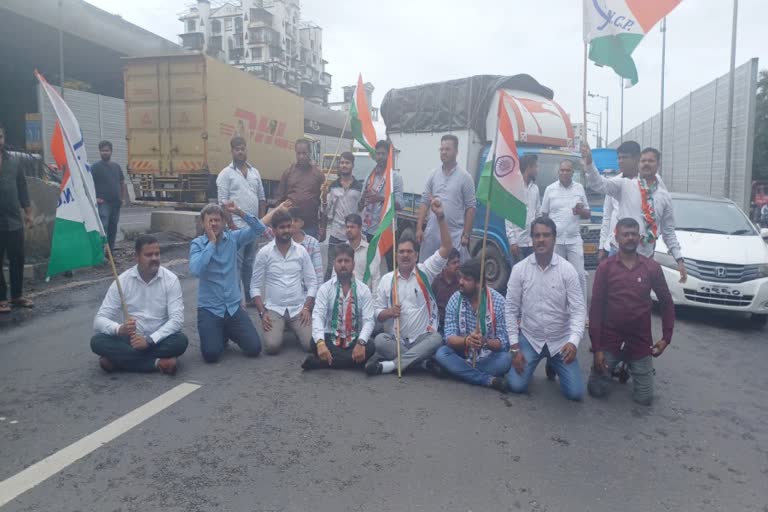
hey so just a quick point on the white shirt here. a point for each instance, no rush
(361, 260)
(630, 204)
(414, 316)
(522, 236)
(245, 191)
(549, 303)
(157, 306)
(283, 278)
(558, 204)
(322, 315)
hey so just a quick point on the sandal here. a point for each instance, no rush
(22, 303)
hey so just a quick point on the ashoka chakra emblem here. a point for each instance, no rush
(505, 165)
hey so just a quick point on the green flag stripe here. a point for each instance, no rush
(373, 246)
(615, 51)
(74, 247)
(502, 203)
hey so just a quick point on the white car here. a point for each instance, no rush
(726, 257)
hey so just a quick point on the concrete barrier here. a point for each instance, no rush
(184, 223)
(44, 197)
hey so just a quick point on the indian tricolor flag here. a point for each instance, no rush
(614, 28)
(78, 236)
(501, 186)
(360, 118)
(384, 238)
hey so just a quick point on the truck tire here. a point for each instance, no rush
(496, 267)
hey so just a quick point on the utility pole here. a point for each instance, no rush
(663, 65)
(607, 111)
(731, 78)
(61, 46)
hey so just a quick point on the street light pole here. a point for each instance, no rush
(729, 128)
(663, 65)
(621, 128)
(607, 111)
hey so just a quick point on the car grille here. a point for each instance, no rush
(718, 299)
(720, 272)
(591, 235)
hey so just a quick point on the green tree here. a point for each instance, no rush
(760, 157)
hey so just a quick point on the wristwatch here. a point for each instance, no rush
(362, 342)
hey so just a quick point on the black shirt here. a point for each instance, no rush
(13, 193)
(108, 180)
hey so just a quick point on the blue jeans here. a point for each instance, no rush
(110, 216)
(214, 332)
(571, 380)
(494, 365)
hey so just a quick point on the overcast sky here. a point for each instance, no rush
(407, 42)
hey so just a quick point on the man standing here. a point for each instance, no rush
(213, 258)
(342, 321)
(629, 159)
(520, 238)
(643, 199)
(416, 307)
(620, 316)
(301, 184)
(373, 198)
(544, 297)
(355, 236)
(309, 243)
(13, 199)
(464, 340)
(454, 187)
(240, 182)
(565, 202)
(446, 284)
(342, 200)
(283, 272)
(109, 182)
(150, 339)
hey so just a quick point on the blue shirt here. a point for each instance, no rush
(452, 322)
(216, 266)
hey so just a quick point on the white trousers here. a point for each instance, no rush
(574, 254)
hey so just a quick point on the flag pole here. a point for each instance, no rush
(584, 99)
(482, 272)
(338, 146)
(117, 282)
(394, 291)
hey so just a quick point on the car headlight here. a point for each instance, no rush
(665, 260)
(763, 270)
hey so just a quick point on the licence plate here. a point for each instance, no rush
(590, 249)
(720, 290)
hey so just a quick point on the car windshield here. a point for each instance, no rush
(703, 216)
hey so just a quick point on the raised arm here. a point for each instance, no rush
(596, 181)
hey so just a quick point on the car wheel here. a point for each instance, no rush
(758, 320)
(496, 268)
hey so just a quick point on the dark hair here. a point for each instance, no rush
(451, 138)
(105, 144)
(655, 151)
(344, 249)
(408, 238)
(454, 254)
(383, 144)
(211, 209)
(236, 141)
(295, 212)
(471, 269)
(568, 160)
(545, 221)
(144, 240)
(627, 222)
(348, 156)
(279, 217)
(629, 147)
(303, 141)
(354, 219)
(528, 160)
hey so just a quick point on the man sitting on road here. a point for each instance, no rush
(620, 316)
(416, 307)
(446, 284)
(342, 321)
(464, 341)
(284, 286)
(544, 297)
(150, 339)
(213, 258)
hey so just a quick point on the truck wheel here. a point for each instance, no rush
(496, 268)
(758, 321)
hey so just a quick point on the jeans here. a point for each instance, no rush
(341, 357)
(423, 348)
(215, 330)
(574, 254)
(125, 358)
(12, 242)
(641, 370)
(493, 365)
(571, 381)
(110, 216)
(273, 340)
(245, 257)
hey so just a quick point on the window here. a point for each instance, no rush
(216, 27)
(191, 26)
(257, 55)
(238, 25)
(228, 24)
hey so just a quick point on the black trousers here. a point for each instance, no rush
(342, 357)
(12, 243)
(125, 358)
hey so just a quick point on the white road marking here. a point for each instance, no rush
(35, 474)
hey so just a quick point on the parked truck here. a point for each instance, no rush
(417, 118)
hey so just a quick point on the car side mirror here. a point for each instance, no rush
(764, 234)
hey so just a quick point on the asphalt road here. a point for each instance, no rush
(260, 435)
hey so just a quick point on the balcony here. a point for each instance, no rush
(261, 18)
(268, 36)
(325, 79)
(236, 53)
(193, 40)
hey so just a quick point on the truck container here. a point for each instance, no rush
(417, 118)
(183, 110)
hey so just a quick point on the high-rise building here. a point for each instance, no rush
(265, 37)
